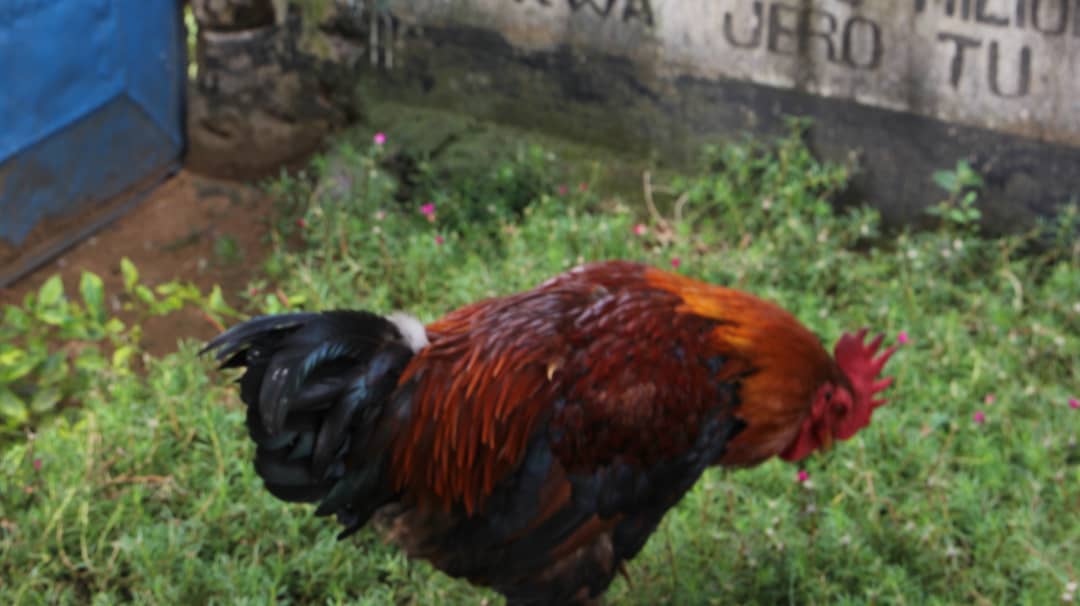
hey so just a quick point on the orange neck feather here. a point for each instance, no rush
(786, 363)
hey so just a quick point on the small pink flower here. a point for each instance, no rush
(990, 399)
(563, 189)
(803, 476)
(1074, 403)
(380, 215)
(979, 418)
(902, 338)
(439, 240)
(675, 262)
(379, 138)
(253, 291)
(301, 223)
(428, 210)
(583, 186)
(37, 464)
(640, 229)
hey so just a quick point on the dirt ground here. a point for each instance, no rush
(191, 228)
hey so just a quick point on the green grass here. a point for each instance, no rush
(148, 495)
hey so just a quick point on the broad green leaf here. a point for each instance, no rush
(947, 180)
(121, 356)
(114, 326)
(967, 175)
(52, 317)
(16, 321)
(272, 304)
(145, 294)
(216, 301)
(90, 360)
(93, 294)
(9, 355)
(130, 273)
(45, 400)
(12, 408)
(51, 292)
(15, 364)
(168, 288)
(54, 369)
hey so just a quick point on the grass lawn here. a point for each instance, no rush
(965, 490)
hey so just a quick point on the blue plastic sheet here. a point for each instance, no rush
(91, 103)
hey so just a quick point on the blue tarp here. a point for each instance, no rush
(91, 103)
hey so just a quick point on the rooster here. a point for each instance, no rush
(532, 443)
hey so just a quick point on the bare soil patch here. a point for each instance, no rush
(191, 228)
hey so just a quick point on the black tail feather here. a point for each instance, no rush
(316, 386)
(242, 335)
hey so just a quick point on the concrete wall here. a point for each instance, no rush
(1007, 65)
(900, 87)
(907, 86)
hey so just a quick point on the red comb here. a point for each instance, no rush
(862, 363)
